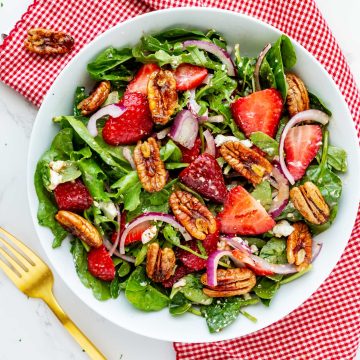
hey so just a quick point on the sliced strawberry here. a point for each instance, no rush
(189, 155)
(140, 81)
(204, 175)
(192, 261)
(189, 76)
(100, 264)
(244, 215)
(301, 146)
(179, 273)
(133, 125)
(259, 111)
(134, 234)
(73, 196)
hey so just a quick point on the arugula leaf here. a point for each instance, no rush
(170, 152)
(224, 311)
(316, 103)
(274, 251)
(100, 289)
(79, 96)
(265, 143)
(175, 33)
(106, 65)
(281, 56)
(141, 294)
(132, 197)
(245, 69)
(84, 134)
(192, 290)
(262, 192)
(94, 179)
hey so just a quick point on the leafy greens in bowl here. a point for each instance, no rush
(211, 133)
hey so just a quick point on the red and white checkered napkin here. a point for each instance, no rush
(327, 326)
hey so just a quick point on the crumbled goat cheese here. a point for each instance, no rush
(180, 283)
(221, 139)
(57, 165)
(254, 249)
(55, 179)
(148, 234)
(108, 209)
(282, 228)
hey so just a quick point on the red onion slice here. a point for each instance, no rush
(282, 198)
(316, 248)
(127, 258)
(215, 119)
(116, 242)
(307, 115)
(259, 61)
(210, 143)
(128, 156)
(112, 110)
(184, 129)
(236, 242)
(217, 51)
(193, 106)
(212, 264)
(152, 216)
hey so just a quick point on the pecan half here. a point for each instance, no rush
(299, 246)
(150, 167)
(96, 98)
(308, 200)
(79, 227)
(231, 282)
(160, 263)
(48, 42)
(192, 214)
(245, 161)
(162, 96)
(297, 98)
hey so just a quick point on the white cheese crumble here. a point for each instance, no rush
(148, 234)
(254, 249)
(282, 228)
(222, 139)
(109, 209)
(180, 283)
(57, 165)
(55, 179)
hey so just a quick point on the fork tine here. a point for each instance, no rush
(11, 252)
(11, 261)
(25, 252)
(11, 273)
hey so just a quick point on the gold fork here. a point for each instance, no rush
(35, 279)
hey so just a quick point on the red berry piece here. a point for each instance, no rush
(204, 175)
(141, 79)
(189, 76)
(73, 196)
(189, 155)
(100, 264)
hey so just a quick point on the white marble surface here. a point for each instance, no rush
(27, 328)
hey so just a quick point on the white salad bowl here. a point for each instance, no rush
(252, 35)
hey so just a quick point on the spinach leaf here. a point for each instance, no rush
(224, 311)
(259, 243)
(173, 166)
(282, 123)
(100, 289)
(290, 213)
(170, 152)
(192, 290)
(179, 304)
(115, 288)
(106, 65)
(316, 103)
(336, 158)
(262, 192)
(94, 179)
(267, 77)
(47, 209)
(265, 143)
(60, 149)
(124, 269)
(266, 289)
(176, 33)
(274, 251)
(281, 56)
(132, 197)
(79, 96)
(142, 295)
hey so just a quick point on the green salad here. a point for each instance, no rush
(192, 177)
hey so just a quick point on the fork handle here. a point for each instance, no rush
(76, 333)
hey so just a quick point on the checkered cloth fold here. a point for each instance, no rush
(327, 325)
